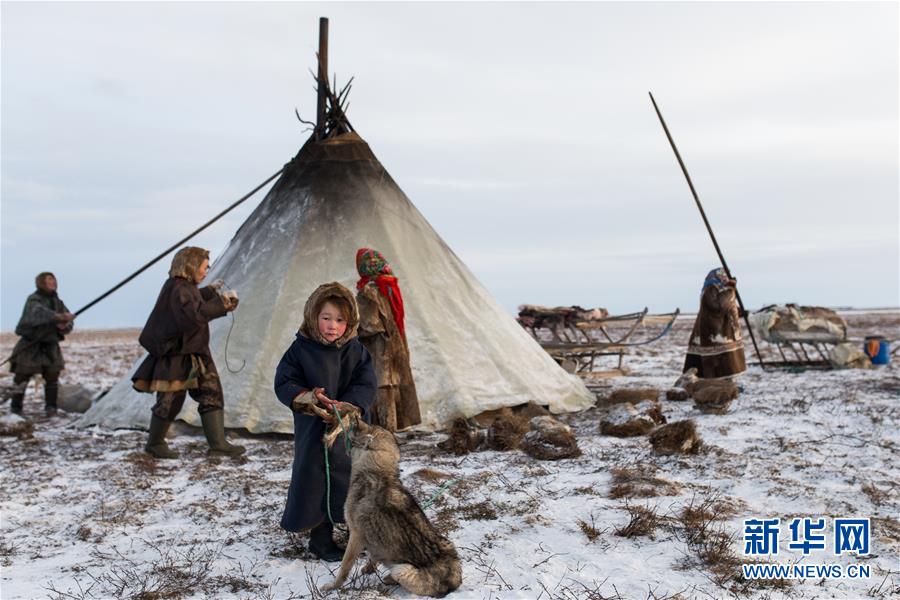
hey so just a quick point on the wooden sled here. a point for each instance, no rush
(576, 338)
(803, 359)
(803, 335)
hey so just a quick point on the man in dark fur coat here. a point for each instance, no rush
(44, 323)
(176, 337)
(716, 347)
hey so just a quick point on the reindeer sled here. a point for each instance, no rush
(576, 337)
(804, 336)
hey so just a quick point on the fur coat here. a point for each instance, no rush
(38, 348)
(344, 368)
(716, 347)
(178, 328)
(397, 404)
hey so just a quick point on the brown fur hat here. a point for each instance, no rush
(39, 280)
(187, 261)
(338, 295)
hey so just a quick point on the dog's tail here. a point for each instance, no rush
(438, 579)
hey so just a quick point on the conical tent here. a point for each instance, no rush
(468, 355)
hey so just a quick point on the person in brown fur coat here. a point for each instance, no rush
(44, 323)
(716, 347)
(382, 331)
(176, 337)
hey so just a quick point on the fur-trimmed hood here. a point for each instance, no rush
(323, 293)
(40, 282)
(187, 261)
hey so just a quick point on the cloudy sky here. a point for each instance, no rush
(523, 132)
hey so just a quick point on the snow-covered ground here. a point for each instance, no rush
(86, 514)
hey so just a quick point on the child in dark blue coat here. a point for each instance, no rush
(329, 367)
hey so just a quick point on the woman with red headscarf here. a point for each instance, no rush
(382, 331)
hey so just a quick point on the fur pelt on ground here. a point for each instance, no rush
(627, 420)
(633, 395)
(462, 438)
(16, 426)
(507, 431)
(549, 439)
(385, 521)
(714, 396)
(676, 438)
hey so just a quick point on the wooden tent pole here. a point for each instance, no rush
(322, 78)
(712, 236)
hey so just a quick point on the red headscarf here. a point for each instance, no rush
(371, 266)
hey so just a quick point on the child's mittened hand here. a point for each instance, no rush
(230, 300)
(346, 407)
(322, 398)
(304, 401)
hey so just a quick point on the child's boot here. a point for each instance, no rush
(321, 542)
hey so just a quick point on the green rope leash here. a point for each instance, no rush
(327, 484)
(439, 493)
(328, 465)
(345, 430)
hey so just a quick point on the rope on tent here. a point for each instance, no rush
(162, 255)
(227, 338)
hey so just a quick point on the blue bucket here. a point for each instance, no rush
(876, 348)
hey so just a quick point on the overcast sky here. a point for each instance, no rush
(523, 132)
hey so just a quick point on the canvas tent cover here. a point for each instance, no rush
(468, 354)
(792, 323)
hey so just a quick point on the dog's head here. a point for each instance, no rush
(374, 448)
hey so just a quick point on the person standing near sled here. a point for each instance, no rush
(382, 331)
(326, 365)
(45, 321)
(716, 347)
(176, 337)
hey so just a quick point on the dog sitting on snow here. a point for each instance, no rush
(385, 521)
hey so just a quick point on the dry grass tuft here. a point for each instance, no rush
(445, 521)
(713, 546)
(176, 572)
(878, 496)
(141, 463)
(639, 483)
(480, 511)
(7, 551)
(589, 529)
(643, 522)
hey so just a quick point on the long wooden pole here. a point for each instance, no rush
(322, 80)
(712, 236)
(159, 257)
